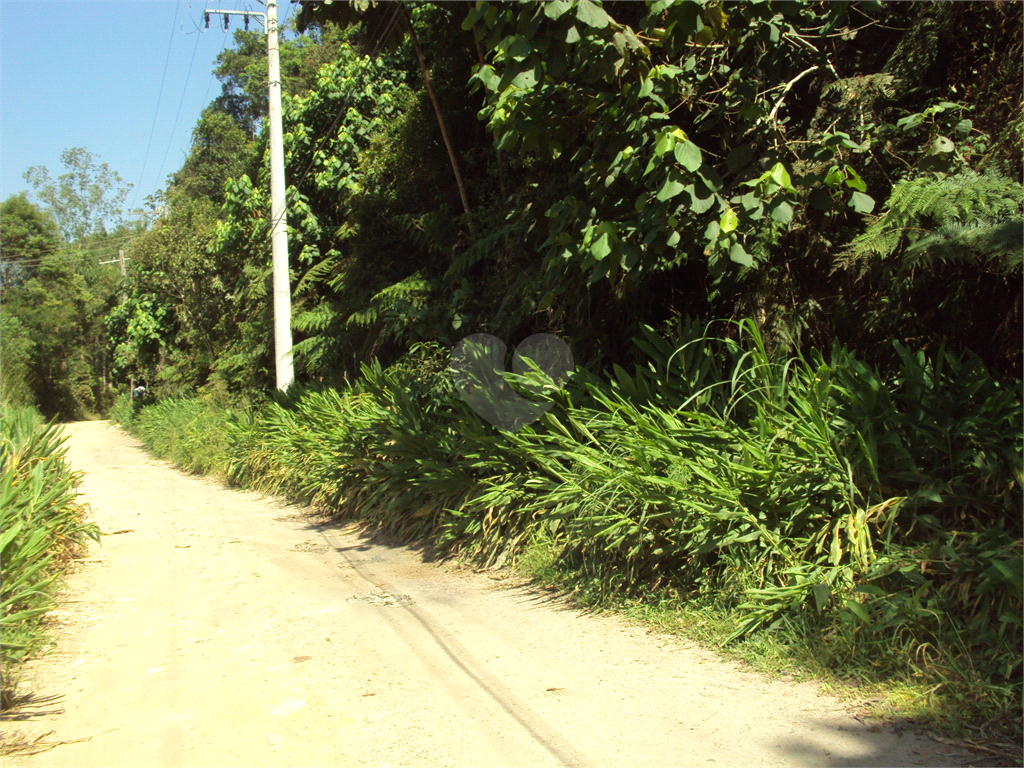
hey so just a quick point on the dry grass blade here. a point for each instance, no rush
(16, 743)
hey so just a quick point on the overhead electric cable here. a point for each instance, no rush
(36, 261)
(184, 91)
(160, 94)
(112, 242)
(68, 251)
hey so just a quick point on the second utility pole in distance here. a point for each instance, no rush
(119, 260)
(278, 207)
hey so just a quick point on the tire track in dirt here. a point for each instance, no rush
(559, 747)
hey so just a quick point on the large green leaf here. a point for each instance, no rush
(665, 144)
(601, 247)
(488, 77)
(669, 189)
(822, 594)
(780, 176)
(688, 155)
(862, 203)
(740, 256)
(519, 48)
(556, 8)
(729, 221)
(592, 15)
(782, 212)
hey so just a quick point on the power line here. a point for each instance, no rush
(56, 257)
(152, 130)
(184, 91)
(92, 246)
(67, 254)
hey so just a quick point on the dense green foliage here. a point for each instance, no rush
(828, 448)
(60, 345)
(54, 293)
(41, 525)
(624, 165)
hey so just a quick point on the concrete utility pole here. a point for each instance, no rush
(124, 297)
(278, 208)
(119, 260)
(278, 212)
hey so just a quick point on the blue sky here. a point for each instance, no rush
(84, 73)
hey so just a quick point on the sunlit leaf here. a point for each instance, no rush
(591, 15)
(688, 155)
(862, 203)
(740, 256)
(782, 212)
(556, 8)
(669, 189)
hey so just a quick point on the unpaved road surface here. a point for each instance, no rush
(225, 628)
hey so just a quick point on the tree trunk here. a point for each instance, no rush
(440, 119)
(501, 164)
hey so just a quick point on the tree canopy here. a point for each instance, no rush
(86, 199)
(27, 233)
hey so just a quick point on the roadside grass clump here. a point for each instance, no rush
(873, 522)
(397, 448)
(806, 510)
(41, 528)
(190, 432)
(123, 410)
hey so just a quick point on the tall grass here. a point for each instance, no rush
(41, 526)
(191, 432)
(875, 520)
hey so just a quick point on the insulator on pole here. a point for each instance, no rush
(207, 17)
(225, 22)
(247, 22)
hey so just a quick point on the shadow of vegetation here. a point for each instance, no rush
(25, 706)
(881, 746)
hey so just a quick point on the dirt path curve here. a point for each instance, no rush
(224, 628)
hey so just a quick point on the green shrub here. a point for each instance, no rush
(123, 410)
(41, 525)
(14, 360)
(190, 432)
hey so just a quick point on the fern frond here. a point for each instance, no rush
(363, 319)
(1002, 245)
(318, 272)
(403, 304)
(434, 231)
(311, 351)
(315, 320)
(864, 89)
(935, 216)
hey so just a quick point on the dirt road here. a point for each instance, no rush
(224, 628)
